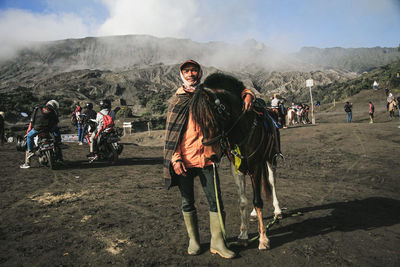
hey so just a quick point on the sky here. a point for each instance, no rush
(286, 25)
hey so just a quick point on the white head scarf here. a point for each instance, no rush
(186, 86)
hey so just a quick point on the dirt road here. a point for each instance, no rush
(340, 179)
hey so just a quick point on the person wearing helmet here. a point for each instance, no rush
(2, 127)
(184, 160)
(44, 118)
(105, 106)
(88, 115)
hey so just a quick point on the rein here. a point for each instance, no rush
(222, 138)
(223, 135)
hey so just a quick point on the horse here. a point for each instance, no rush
(291, 116)
(216, 106)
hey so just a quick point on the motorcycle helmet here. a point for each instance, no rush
(53, 104)
(89, 105)
(21, 143)
(105, 104)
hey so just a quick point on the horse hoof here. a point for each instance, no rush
(263, 246)
(279, 216)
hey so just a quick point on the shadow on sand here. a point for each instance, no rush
(84, 164)
(366, 214)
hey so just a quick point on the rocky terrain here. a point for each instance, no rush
(143, 70)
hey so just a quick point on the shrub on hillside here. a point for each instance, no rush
(124, 112)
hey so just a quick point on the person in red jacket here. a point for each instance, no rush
(371, 112)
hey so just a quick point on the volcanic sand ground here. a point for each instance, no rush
(341, 180)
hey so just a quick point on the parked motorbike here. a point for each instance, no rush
(108, 146)
(45, 149)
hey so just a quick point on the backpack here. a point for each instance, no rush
(108, 122)
(74, 121)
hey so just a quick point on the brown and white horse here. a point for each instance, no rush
(291, 116)
(217, 108)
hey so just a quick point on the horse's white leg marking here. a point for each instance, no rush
(243, 202)
(271, 180)
(263, 241)
(253, 213)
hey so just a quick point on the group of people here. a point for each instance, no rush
(296, 113)
(392, 104)
(88, 120)
(46, 118)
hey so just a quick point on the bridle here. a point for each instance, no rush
(223, 137)
(224, 114)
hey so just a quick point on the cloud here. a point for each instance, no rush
(167, 18)
(18, 28)
(204, 20)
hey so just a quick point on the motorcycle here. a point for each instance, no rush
(108, 146)
(45, 149)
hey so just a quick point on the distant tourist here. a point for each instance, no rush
(392, 107)
(375, 85)
(317, 106)
(2, 127)
(87, 114)
(386, 91)
(306, 111)
(371, 112)
(389, 99)
(347, 109)
(275, 103)
(79, 121)
(398, 105)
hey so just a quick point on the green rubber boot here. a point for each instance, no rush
(217, 245)
(193, 232)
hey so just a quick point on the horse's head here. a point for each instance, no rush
(216, 106)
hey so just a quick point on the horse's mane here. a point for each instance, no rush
(202, 108)
(225, 82)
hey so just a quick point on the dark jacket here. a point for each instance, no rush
(347, 107)
(89, 114)
(44, 119)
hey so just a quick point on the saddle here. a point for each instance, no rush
(261, 109)
(266, 116)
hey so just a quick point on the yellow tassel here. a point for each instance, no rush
(238, 160)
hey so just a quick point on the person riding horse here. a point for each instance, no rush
(280, 110)
(184, 159)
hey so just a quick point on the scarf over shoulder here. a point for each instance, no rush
(177, 117)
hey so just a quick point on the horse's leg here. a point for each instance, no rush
(243, 202)
(271, 181)
(263, 241)
(253, 215)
